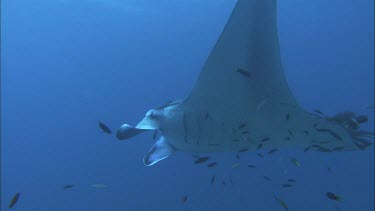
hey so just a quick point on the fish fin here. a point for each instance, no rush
(126, 131)
(161, 150)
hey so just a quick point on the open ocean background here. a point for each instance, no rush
(67, 64)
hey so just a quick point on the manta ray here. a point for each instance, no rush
(242, 100)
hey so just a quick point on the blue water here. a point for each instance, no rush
(67, 64)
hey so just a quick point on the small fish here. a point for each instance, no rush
(236, 140)
(307, 148)
(245, 132)
(287, 138)
(265, 139)
(281, 202)
(251, 166)
(335, 135)
(318, 111)
(224, 182)
(195, 156)
(207, 115)
(201, 160)
(211, 164)
(238, 156)
(184, 199)
(306, 132)
(231, 181)
(290, 133)
(259, 155)
(322, 149)
(334, 196)
(287, 116)
(241, 126)
(272, 151)
(243, 150)
(104, 127)
(315, 124)
(337, 148)
(259, 146)
(236, 165)
(14, 200)
(329, 169)
(323, 142)
(292, 180)
(295, 162)
(286, 185)
(244, 72)
(68, 186)
(99, 185)
(213, 179)
(267, 178)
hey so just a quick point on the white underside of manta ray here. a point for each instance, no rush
(242, 99)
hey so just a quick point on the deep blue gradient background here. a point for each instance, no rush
(67, 64)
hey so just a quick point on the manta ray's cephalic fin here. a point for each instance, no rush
(126, 131)
(161, 150)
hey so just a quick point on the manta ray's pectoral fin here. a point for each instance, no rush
(126, 131)
(161, 150)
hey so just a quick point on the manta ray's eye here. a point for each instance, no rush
(154, 114)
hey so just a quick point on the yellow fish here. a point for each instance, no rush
(99, 185)
(236, 165)
(295, 162)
